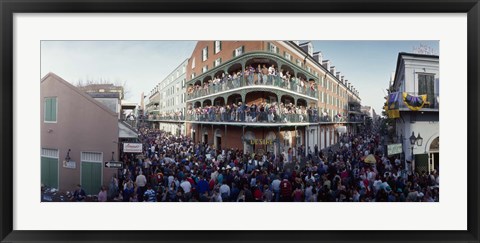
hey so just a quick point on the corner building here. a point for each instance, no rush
(265, 96)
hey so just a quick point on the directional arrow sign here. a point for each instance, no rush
(114, 164)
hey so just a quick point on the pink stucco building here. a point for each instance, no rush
(72, 120)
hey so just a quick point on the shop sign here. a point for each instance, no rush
(395, 148)
(261, 142)
(132, 147)
(69, 164)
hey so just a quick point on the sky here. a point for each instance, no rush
(140, 65)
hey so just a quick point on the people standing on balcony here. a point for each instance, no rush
(264, 74)
(215, 85)
(233, 79)
(271, 74)
(246, 73)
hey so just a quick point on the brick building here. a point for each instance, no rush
(311, 101)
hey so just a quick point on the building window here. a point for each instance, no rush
(193, 63)
(192, 76)
(205, 69)
(205, 54)
(183, 69)
(239, 51)
(299, 63)
(217, 62)
(50, 109)
(426, 85)
(218, 46)
(272, 48)
(288, 56)
(183, 83)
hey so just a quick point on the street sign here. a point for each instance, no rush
(114, 164)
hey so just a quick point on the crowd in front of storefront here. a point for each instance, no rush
(174, 169)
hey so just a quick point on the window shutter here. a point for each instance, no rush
(47, 109)
(207, 53)
(233, 53)
(54, 109)
(243, 49)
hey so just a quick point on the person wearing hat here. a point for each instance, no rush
(225, 192)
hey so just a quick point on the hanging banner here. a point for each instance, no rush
(414, 103)
(392, 105)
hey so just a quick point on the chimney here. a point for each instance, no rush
(326, 64)
(332, 70)
(318, 57)
(342, 79)
(338, 75)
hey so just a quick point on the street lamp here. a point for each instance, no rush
(415, 140)
(67, 158)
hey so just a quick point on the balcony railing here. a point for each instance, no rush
(432, 101)
(165, 118)
(262, 117)
(272, 80)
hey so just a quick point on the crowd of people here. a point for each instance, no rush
(263, 112)
(174, 169)
(262, 75)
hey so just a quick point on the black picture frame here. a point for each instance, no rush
(9, 7)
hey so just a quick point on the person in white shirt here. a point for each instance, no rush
(224, 192)
(186, 186)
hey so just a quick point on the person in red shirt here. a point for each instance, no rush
(257, 194)
(285, 191)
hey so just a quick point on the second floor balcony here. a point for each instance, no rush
(177, 118)
(254, 70)
(297, 86)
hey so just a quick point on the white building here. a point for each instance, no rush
(417, 75)
(166, 106)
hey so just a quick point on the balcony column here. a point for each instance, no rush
(307, 146)
(278, 139)
(243, 137)
(243, 81)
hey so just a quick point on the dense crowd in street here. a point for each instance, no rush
(174, 169)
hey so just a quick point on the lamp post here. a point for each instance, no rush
(67, 158)
(415, 140)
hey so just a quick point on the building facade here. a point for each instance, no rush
(266, 96)
(413, 104)
(78, 134)
(166, 106)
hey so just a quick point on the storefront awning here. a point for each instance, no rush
(126, 132)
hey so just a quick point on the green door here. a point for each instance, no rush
(421, 163)
(91, 177)
(49, 172)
